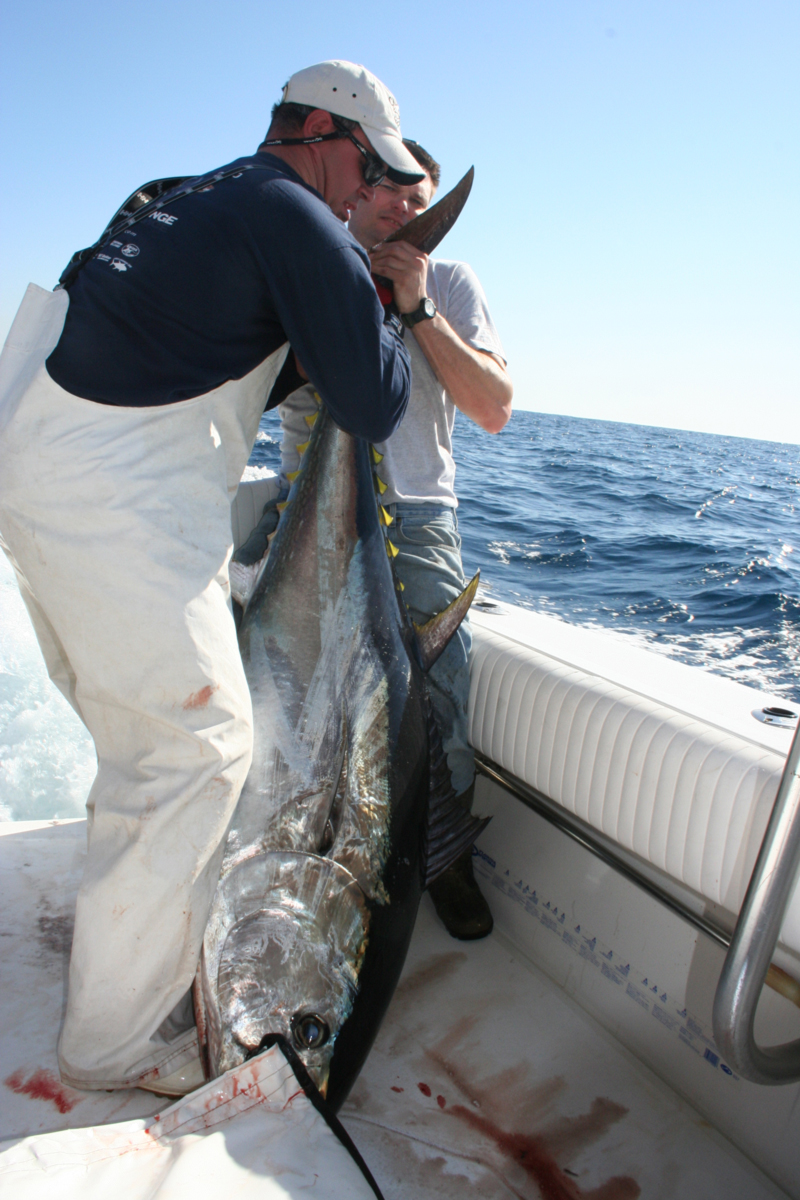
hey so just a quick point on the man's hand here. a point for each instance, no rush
(407, 268)
(476, 381)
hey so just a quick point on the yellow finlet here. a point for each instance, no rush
(318, 398)
(386, 517)
(380, 485)
(292, 475)
(281, 505)
(391, 550)
(401, 585)
(302, 447)
(376, 457)
(311, 419)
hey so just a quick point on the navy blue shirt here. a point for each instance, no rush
(204, 290)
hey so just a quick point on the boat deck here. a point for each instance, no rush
(485, 1079)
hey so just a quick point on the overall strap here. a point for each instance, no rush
(146, 200)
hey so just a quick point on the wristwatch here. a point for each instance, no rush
(426, 312)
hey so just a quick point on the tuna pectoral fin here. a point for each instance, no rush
(434, 635)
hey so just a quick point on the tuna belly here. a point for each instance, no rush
(282, 954)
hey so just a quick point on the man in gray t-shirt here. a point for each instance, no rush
(457, 362)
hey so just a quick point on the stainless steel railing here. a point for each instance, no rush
(754, 939)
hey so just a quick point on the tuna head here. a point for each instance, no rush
(292, 935)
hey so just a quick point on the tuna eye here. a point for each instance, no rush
(309, 1031)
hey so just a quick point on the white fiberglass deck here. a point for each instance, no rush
(486, 1079)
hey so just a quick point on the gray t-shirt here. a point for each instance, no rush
(418, 465)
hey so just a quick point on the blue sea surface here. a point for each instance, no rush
(686, 542)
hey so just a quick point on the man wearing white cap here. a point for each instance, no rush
(352, 92)
(130, 402)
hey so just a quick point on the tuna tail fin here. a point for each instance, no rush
(451, 829)
(433, 636)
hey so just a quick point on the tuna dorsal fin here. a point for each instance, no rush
(434, 635)
(450, 829)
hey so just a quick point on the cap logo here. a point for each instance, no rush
(395, 107)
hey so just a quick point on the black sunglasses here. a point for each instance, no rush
(373, 169)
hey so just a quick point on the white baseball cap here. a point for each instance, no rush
(350, 90)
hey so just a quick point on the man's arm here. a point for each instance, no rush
(476, 380)
(323, 295)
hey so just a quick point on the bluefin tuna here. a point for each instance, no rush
(347, 812)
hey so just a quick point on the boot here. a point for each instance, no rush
(179, 1083)
(460, 903)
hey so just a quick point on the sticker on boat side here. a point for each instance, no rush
(637, 987)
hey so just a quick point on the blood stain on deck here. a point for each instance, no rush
(511, 1123)
(534, 1153)
(43, 1085)
(519, 1120)
(432, 970)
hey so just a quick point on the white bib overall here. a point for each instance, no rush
(117, 522)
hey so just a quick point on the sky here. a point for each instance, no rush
(634, 220)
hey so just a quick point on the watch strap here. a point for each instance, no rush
(425, 312)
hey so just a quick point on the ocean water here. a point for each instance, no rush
(687, 543)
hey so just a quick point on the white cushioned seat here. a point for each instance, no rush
(683, 793)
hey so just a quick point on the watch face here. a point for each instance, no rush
(425, 312)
